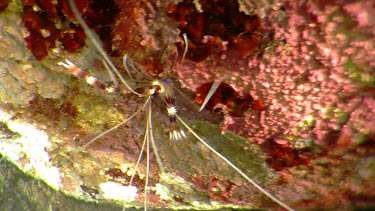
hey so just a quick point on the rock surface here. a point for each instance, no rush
(312, 146)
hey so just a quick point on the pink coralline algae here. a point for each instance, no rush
(315, 72)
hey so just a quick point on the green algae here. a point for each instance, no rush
(337, 115)
(95, 114)
(358, 74)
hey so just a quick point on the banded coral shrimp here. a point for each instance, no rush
(282, 79)
(220, 187)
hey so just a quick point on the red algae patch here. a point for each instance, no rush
(4, 5)
(281, 154)
(215, 26)
(49, 24)
(144, 32)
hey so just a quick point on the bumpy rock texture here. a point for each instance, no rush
(312, 144)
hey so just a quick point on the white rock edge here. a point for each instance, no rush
(28, 152)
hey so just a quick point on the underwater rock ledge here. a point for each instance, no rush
(314, 69)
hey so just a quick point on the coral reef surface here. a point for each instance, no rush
(311, 142)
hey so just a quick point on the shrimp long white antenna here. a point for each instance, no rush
(214, 87)
(212, 90)
(147, 154)
(126, 61)
(186, 47)
(235, 167)
(152, 139)
(98, 46)
(149, 137)
(183, 55)
(115, 127)
(125, 64)
(138, 160)
(110, 73)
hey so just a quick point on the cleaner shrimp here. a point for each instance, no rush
(183, 134)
